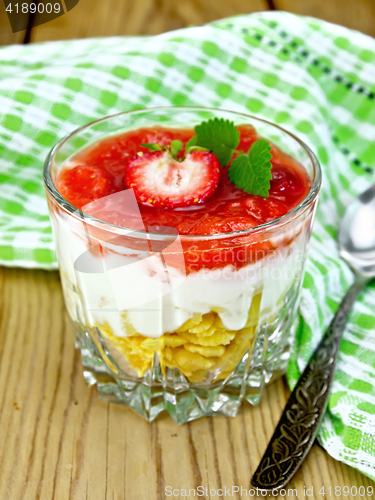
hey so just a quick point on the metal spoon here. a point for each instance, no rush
(296, 430)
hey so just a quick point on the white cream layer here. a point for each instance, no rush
(156, 302)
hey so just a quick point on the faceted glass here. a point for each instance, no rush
(157, 329)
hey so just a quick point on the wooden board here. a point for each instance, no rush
(140, 17)
(356, 14)
(58, 441)
(97, 18)
(7, 37)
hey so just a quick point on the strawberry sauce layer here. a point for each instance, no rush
(100, 171)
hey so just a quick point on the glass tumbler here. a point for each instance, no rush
(158, 328)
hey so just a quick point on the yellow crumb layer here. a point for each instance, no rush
(200, 344)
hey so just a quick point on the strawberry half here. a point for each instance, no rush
(159, 180)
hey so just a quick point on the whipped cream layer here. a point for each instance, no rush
(146, 296)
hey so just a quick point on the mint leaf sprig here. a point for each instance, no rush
(250, 172)
(219, 136)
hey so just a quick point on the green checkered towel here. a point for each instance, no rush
(314, 78)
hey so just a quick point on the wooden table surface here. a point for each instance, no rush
(58, 440)
(139, 17)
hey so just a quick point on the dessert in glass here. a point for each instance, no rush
(181, 286)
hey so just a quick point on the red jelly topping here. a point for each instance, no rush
(100, 171)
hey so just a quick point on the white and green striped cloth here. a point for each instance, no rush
(314, 78)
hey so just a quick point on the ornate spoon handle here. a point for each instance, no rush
(296, 430)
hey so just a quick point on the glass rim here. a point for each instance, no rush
(87, 218)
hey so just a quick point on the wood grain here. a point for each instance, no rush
(7, 37)
(97, 18)
(356, 14)
(141, 17)
(58, 441)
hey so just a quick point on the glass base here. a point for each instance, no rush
(265, 361)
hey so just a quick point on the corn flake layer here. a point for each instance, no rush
(202, 343)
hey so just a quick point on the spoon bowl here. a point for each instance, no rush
(357, 234)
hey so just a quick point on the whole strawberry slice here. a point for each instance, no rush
(162, 181)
